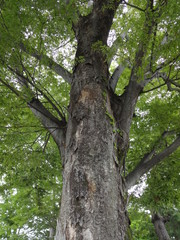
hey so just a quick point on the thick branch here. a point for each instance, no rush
(54, 126)
(159, 226)
(150, 161)
(97, 24)
(47, 61)
(115, 76)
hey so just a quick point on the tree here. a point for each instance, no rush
(118, 52)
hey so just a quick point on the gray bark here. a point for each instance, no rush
(159, 226)
(92, 205)
(116, 75)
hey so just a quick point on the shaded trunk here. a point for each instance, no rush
(159, 226)
(92, 204)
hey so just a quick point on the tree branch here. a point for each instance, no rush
(43, 114)
(166, 63)
(55, 127)
(115, 76)
(166, 79)
(152, 89)
(133, 6)
(149, 161)
(47, 61)
(168, 82)
(10, 87)
(25, 81)
(159, 225)
(149, 76)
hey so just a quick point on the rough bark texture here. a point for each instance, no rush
(92, 206)
(160, 228)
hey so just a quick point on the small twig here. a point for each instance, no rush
(133, 6)
(153, 88)
(46, 140)
(36, 139)
(164, 64)
(10, 87)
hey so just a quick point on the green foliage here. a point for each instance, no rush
(100, 47)
(173, 224)
(156, 113)
(80, 59)
(141, 226)
(30, 182)
(160, 195)
(162, 192)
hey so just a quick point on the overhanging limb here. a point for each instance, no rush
(47, 61)
(149, 161)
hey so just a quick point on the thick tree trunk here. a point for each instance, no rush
(159, 226)
(92, 204)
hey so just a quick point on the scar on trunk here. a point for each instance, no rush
(89, 92)
(70, 232)
(91, 187)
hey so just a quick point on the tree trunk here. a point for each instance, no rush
(159, 226)
(93, 205)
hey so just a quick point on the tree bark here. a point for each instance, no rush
(159, 226)
(93, 205)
